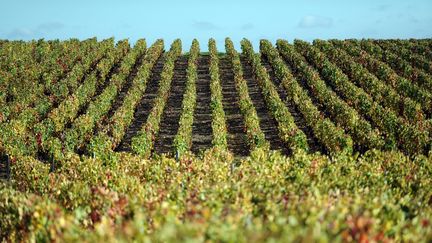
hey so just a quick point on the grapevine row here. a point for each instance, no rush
(385, 73)
(256, 137)
(143, 142)
(410, 141)
(20, 68)
(288, 130)
(341, 112)
(69, 108)
(415, 59)
(183, 139)
(111, 134)
(84, 125)
(53, 90)
(331, 136)
(33, 114)
(398, 64)
(360, 129)
(23, 140)
(416, 46)
(378, 90)
(218, 115)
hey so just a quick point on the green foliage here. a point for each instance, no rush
(333, 137)
(385, 73)
(400, 65)
(143, 142)
(123, 116)
(263, 197)
(218, 115)
(183, 139)
(83, 126)
(54, 103)
(411, 138)
(288, 130)
(256, 138)
(360, 129)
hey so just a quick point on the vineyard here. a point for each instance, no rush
(112, 141)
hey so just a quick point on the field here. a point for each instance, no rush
(323, 141)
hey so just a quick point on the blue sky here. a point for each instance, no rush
(202, 19)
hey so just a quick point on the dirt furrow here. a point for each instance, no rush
(143, 108)
(171, 116)
(201, 128)
(303, 83)
(237, 138)
(267, 123)
(99, 89)
(4, 173)
(314, 144)
(124, 90)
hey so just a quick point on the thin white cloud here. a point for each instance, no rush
(50, 26)
(37, 32)
(205, 25)
(314, 21)
(21, 33)
(382, 7)
(247, 26)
